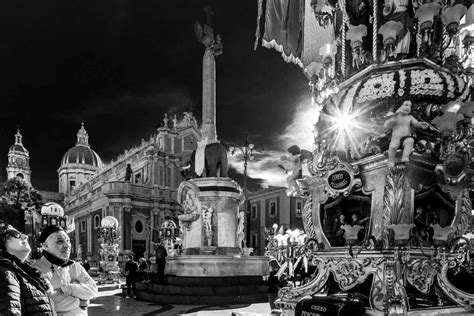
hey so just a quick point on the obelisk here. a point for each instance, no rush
(213, 46)
(208, 128)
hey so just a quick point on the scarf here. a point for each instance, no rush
(57, 261)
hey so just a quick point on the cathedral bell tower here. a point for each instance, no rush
(19, 160)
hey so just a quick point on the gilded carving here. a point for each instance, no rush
(308, 224)
(449, 289)
(350, 272)
(420, 273)
(393, 200)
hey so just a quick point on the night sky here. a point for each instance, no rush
(119, 65)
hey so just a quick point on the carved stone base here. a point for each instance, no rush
(215, 266)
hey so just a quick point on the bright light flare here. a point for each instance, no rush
(346, 127)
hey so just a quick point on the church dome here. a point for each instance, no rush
(82, 153)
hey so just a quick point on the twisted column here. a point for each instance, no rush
(375, 30)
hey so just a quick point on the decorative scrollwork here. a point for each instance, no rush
(288, 296)
(337, 176)
(350, 272)
(465, 216)
(393, 200)
(449, 289)
(308, 217)
(421, 272)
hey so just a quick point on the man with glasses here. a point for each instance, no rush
(22, 290)
(71, 283)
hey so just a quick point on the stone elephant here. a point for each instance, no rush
(215, 163)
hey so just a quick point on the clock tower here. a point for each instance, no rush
(19, 160)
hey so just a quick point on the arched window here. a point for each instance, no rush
(138, 226)
(83, 225)
(96, 221)
(20, 175)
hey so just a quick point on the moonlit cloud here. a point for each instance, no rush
(298, 132)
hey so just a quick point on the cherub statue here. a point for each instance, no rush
(401, 123)
(295, 166)
(240, 229)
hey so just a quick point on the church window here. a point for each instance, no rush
(72, 185)
(272, 209)
(253, 239)
(253, 212)
(96, 221)
(161, 175)
(168, 177)
(138, 178)
(299, 207)
(20, 175)
(138, 226)
(83, 225)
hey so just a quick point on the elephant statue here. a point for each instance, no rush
(215, 163)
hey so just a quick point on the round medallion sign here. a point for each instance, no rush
(339, 180)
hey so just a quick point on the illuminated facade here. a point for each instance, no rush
(138, 188)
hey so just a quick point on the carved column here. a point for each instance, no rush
(153, 226)
(395, 210)
(126, 227)
(89, 233)
(117, 213)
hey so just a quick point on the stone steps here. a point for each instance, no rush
(205, 299)
(240, 280)
(201, 290)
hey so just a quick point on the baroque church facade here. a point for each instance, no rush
(139, 187)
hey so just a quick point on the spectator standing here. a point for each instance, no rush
(161, 255)
(22, 290)
(86, 265)
(143, 268)
(273, 283)
(72, 285)
(130, 271)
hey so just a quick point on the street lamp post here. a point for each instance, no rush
(247, 152)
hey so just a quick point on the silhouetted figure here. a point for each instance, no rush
(128, 173)
(130, 271)
(161, 255)
(86, 265)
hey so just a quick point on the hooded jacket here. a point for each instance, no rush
(75, 283)
(22, 291)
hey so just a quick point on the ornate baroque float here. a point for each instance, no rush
(385, 76)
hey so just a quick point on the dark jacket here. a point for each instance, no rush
(131, 268)
(161, 253)
(22, 291)
(273, 282)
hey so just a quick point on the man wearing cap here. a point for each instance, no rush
(71, 283)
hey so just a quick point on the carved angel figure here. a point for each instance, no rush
(294, 167)
(401, 124)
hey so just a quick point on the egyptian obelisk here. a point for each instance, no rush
(213, 48)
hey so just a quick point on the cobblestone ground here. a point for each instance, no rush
(111, 302)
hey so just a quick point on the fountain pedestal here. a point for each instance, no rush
(212, 233)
